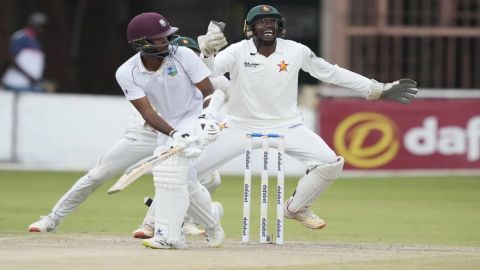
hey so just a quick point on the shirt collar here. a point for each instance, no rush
(141, 67)
(278, 49)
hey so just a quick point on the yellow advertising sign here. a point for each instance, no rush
(351, 135)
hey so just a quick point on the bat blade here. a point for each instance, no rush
(142, 167)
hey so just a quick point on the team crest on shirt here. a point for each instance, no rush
(282, 66)
(172, 71)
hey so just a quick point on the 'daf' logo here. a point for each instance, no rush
(367, 140)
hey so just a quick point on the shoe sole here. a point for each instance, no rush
(199, 233)
(319, 227)
(37, 230)
(217, 246)
(146, 244)
(141, 235)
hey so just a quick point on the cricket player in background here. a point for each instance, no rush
(263, 91)
(167, 85)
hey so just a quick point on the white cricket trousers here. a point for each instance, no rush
(136, 144)
(300, 143)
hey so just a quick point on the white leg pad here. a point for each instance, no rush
(312, 185)
(171, 198)
(212, 181)
(201, 205)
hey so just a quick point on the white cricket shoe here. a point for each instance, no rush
(45, 224)
(216, 235)
(159, 242)
(189, 228)
(144, 231)
(305, 216)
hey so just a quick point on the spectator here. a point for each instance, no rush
(27, 59)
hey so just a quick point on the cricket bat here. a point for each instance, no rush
(142, 167)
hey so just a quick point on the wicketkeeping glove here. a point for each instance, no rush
(214, 40)
(403, 91)
(192, 148)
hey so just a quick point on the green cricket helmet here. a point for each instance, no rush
(187, 42)
(261, 12)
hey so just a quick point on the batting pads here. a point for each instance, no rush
(171, 198)
(312, 185)
(212, 181)
(201, 205)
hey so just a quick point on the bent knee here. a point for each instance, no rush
(212, 181)
(329, 171)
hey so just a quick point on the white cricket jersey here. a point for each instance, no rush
(170, 89)
(221, 83)
(136, 119)
(263, 90)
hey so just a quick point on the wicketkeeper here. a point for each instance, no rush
(263, 91)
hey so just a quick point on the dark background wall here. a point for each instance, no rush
(85, 40)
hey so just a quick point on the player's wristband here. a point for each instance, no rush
(172, 132)
(207, 98)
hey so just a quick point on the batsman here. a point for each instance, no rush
(263, 91)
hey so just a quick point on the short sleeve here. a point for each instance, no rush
(127, 84)
(225, 59)
(194, 66)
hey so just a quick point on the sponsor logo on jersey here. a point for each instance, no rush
(282, 66)
(172, 71)
(251, 65)
(130, 139)
(295, 126)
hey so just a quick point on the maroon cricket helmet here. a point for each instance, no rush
(149, 25)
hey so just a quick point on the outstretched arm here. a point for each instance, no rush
(403, 91)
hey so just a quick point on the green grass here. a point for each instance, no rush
(420, 210)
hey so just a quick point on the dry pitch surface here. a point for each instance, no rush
(55, 251)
